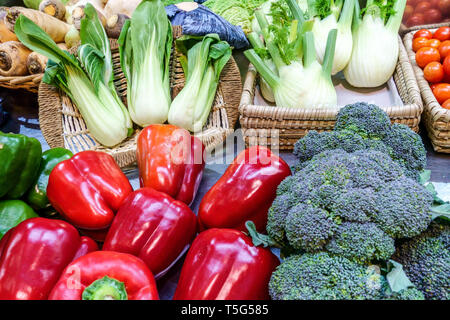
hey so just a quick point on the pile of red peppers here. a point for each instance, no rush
(140, 234)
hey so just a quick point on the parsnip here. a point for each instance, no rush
(5, 34)
(36, 63)
(13, 59)
(126, 7)
(55, 8)
(75, 11)
(55, 28)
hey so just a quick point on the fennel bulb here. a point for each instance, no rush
(344, 42)
(375, 45)
(203, 59)
(145, 45)
(92, 88)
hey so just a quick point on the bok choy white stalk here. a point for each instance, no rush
(91, 89)
(375, 43)
(329, 15)
(202, 59)
(145, 47)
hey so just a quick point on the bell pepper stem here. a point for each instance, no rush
(105, 289)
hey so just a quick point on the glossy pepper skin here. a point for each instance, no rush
(37, 194)
(223, 264)
(244, 192)
(88, 189)
(13, 212)
(170, 160)
(124, 268)
(34, 254)
(152, 226)
(20, 158)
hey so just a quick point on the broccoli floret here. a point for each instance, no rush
(321, 276)
(352, 204)
(372, 242)
(406, 294)
(426, 261)
(367, 120)
(366, 127)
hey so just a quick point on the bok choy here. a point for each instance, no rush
(300, 81)
(329, 15)
(145, 48)
(375, 43)
(91, 88)
(202, 59)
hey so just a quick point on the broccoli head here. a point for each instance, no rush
(366, 127)
(351, 204)
(321, 276)
(426, 261)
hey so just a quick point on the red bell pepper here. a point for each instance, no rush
(170, 160)
(34, 254)
(223, 264)
(154, 227)
(106, 275)
(244, 192)
(88, 189)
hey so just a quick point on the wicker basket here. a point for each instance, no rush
(280, 128)
(29, 83)
(404, 30)
(63, 126)
(436, 118)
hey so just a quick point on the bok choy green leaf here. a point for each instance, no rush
(145, 48)
(202, 59)
(90, 88)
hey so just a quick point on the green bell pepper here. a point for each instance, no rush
(37, 195)
(20, 158)
(13, 212)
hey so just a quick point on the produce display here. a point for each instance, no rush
(432, 50)
(352, 214)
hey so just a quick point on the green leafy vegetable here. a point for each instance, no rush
(145, 48)
(91, 88)
(203, 59)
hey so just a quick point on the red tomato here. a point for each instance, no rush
(442, 34)
(442, 92)
(444, 49)
(434, 43)
(415, 20)
(433, 72)
(423, 33)
(434, 3)
(432, 16)
(444, 7)
(411, 3)
(446, 104)
(446, 65)
(426, 55)
(409, 10)
(420, 43)
(422, 6)
(433, 85)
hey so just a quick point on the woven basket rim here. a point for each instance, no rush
(50, 102)
(247, 108)
(404, 30)
(28, 82)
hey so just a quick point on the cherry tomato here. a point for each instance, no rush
(444, 7)
(411, 3)
(422, 6)
(434, 85)
(442, 92)
(434, 72)
(446, 104)
(426, 55)
(415, 20)
(432, 16)
(442, 34)
(420, 43)
(444, 49)
(409, 10)
(434, 43)
(423, 33)
(446, 65)
(434, 3)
